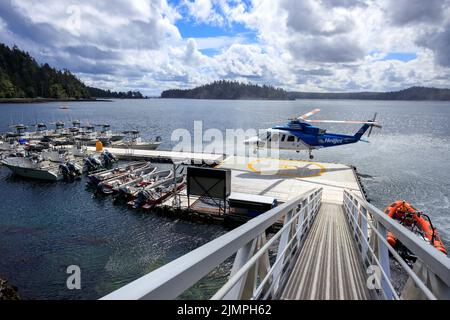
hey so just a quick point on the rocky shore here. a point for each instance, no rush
(8, 291)
(35, 100)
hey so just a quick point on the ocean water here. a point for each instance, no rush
(45, 227)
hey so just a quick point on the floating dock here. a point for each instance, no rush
(283, 179)
(161, 155)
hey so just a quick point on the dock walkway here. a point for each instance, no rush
(135, 154)
(329, 266)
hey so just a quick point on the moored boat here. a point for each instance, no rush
(128, 191)
(152, 196)
(108, 186)
(97, 177)
(134, 141)
(33, 167)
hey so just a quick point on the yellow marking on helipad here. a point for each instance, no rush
(322, 169)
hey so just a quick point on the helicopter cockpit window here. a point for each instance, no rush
(291, 139)
(322, 131)
(274, 137)
(264, 136)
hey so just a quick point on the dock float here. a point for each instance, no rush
(162, 155)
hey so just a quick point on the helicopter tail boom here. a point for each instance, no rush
(370, 124)
(361, 131)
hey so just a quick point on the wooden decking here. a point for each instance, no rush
(328, 267)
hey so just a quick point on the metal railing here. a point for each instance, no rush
(252, 275)
(430, 278)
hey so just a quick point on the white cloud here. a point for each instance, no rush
(203, 11)
(299, 45)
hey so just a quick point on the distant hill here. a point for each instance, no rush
(228, 90)
(235, 90)
(21, 77)
(413, 93)
(100, 93)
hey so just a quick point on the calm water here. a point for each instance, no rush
(46, 227)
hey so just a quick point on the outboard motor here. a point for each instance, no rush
(108, 158)
(65, 171)
(95, 161)
(74, 168)
(142, 197)
(91, 163)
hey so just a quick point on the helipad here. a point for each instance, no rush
(286, 178)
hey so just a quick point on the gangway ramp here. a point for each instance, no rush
(329, 266)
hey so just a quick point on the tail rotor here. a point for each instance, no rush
(373, 124)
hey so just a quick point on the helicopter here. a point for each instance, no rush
(300, 135)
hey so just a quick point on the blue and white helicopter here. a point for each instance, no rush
(300, 135)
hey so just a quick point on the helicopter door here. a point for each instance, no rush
(273, 141)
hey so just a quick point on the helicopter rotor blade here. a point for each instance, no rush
(342, 121)
(373, 122)
(309, 114)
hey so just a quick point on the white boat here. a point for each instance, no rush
(130, 189)
(106, 136)
(111, 186)
(134, 141)
(96, 177)
(6, 145)
(33, 167)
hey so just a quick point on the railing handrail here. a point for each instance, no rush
(254, 259)
(437, 262)
(172, 279)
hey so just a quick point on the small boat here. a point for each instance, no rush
(134, 141)
(108, 186)
(33, 166)
(131, 189)
(8, 145)
(99, 176)
(151, 196)
(106, 136)
(416, 221)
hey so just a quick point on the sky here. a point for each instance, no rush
(302, 45)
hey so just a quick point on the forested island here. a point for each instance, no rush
(230, 90)
(236, 90)
(413, 93)
(22, 79)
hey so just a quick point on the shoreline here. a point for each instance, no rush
(42, 100)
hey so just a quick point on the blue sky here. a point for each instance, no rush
(308, 45)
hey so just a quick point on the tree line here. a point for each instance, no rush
(224, 89)
(22, 77)
(412, 93)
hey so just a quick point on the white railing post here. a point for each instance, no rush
(364, 233)
(383, 257)
(299, 224)
(282, 244)
(242, 256)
